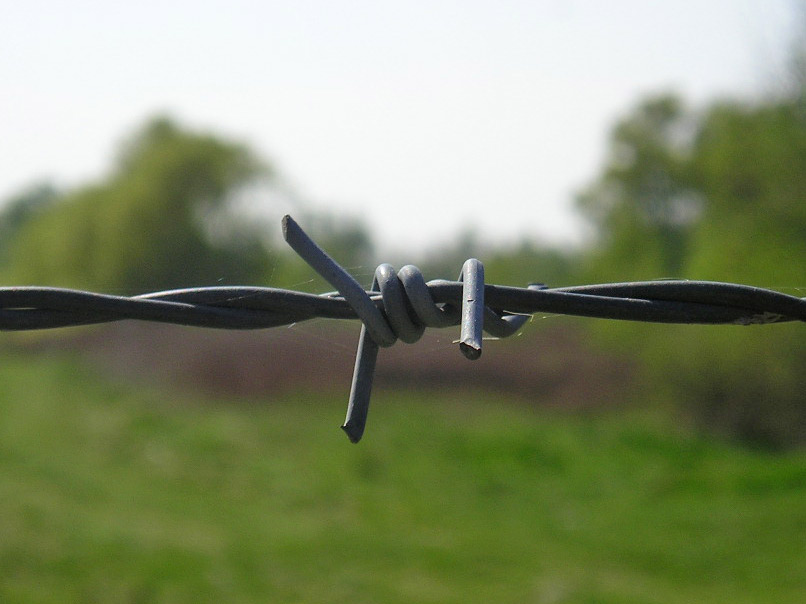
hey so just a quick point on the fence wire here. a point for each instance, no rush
(400, 305)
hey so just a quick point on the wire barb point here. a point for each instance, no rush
(471, 352)
(353, 434)
(472, 278)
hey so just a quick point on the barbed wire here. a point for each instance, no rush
(400, 305)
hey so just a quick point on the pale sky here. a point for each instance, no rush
(423, 117)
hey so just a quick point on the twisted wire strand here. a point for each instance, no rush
(695, 302)
(400, 305)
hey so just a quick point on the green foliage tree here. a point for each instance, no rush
(719, 199)
(750, 163)
(19, 209)
(528, 262)
(160, 220)
(643, 205)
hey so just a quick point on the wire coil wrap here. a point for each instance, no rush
(409, 307)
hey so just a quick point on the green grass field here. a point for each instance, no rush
(113, 493)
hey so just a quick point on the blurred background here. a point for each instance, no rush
(157, 145)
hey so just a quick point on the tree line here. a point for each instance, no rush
(166, 216)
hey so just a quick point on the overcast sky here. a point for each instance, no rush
(423, 117)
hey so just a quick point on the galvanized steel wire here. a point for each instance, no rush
(400, 305)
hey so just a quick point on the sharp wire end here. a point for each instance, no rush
(472, 278)
(286, 221)
(470, 351)
(353, 433)
(358, 405)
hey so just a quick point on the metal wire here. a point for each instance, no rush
(400, 305)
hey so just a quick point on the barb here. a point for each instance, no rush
(400, 306)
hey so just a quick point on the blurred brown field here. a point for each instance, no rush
(553, 367)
